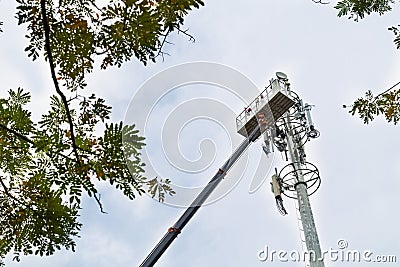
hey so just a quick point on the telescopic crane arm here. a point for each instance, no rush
(173, 231)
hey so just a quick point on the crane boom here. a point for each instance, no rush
(173, 231)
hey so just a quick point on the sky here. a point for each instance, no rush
(329, 62)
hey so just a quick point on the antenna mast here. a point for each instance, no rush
(299, 179)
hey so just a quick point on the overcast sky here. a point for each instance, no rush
(329, 61)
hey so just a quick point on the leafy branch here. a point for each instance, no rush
(396, 32)
(356, 9)
(386, 103)
(53, 76)
(160, 187)
(13, 132)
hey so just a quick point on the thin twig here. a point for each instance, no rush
(191, 38)
(73, 98)
(99, 203)
(6, 190)
(98, 8)
(53, 75)
(320, 2)
(101, 53)
(376, 97)
(160, 52)
(85, 150)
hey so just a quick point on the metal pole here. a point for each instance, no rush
(173, 232)
(307, 219)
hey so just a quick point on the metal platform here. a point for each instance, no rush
(268, 106)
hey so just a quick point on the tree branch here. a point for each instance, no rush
(164, 41)
(53, 75)
(26, 139)
(185, 32)
(97, 7)
(99, 203)
(20, 136)
(8, 192)
(376, 97)
(160, 52)
(320, 2)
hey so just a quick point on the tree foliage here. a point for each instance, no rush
(47, 166)
(82, 31)
(388, 102)
(396, 32)
(42, 183)
(370, 106)
(357, 9)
